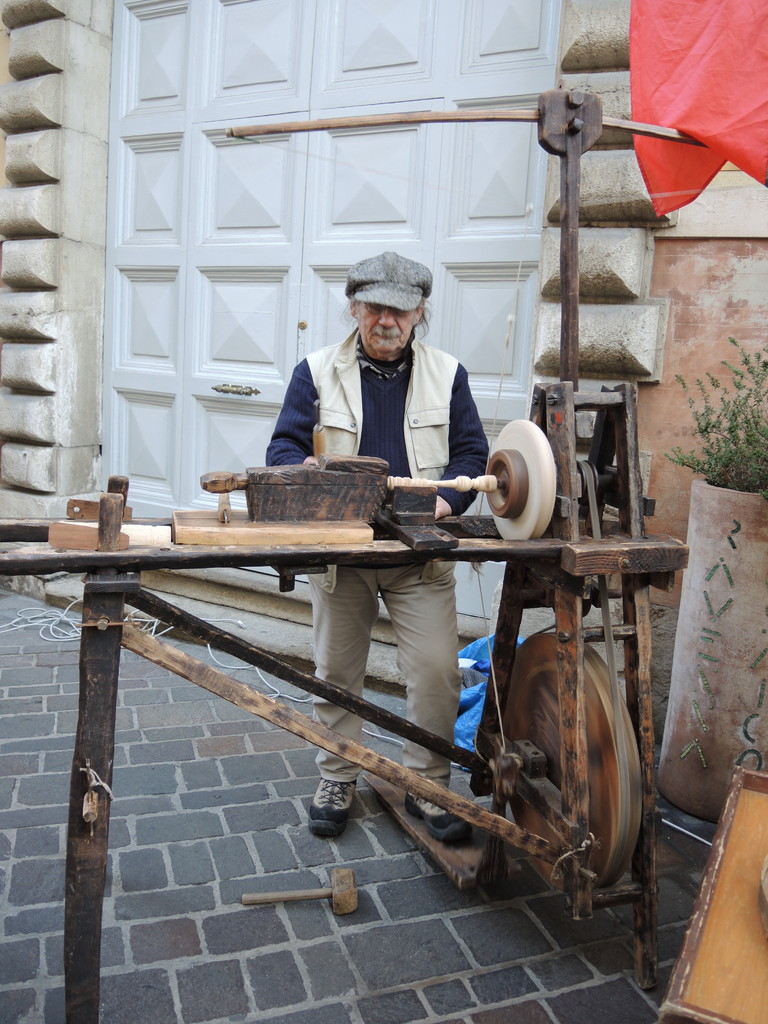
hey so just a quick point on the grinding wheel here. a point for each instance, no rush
(522, 462)
(614, 788)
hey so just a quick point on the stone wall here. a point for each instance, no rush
(621, 327)
(55, 111)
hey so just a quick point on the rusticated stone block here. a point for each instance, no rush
(28, 418)
(29, 367)
(29, 504)
(38, 49)
(31, 263)
(612, 191)
(616, 342)
(96, 13)
(595, 35)
(33, 157)
(33, 103)
(30, 212)
(613, 263)
(28, 315)
(26, 12)
(50, 469)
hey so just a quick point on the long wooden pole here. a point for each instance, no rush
(326, 124)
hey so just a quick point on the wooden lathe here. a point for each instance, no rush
(587, 822)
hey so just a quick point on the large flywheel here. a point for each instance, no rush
(615, 793)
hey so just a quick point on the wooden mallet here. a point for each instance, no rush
(343, 893)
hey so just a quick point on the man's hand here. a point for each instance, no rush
(311, 460)
(442, 508)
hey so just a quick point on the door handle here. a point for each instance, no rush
(235, 389)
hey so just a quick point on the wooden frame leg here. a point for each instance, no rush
(86, 863)
(639, 702)
(573, 743)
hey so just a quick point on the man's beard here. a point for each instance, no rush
(387, 333)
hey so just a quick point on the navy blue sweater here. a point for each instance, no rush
(382, 428)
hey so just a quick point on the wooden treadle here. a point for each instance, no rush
(459, 862)
(202, 526)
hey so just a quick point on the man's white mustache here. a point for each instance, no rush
(387, 333)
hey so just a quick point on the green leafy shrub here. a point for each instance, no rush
(731, 421)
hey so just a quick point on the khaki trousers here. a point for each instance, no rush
(421, 603)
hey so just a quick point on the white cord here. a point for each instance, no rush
(47, 621)
(685, 831)
(58, 626)
(274, 691)
(384, 739)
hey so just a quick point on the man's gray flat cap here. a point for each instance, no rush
(389, 280)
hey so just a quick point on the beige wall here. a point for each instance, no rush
(711, 266)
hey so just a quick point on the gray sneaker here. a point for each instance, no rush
(443, 825)
(330, 807)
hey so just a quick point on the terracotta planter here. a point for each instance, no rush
(717, 715)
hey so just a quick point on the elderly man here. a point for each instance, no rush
(384, 393)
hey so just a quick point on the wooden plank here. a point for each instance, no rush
(203, 527)
(603, 557)
(80, 536)
(721, 974)
(460, 861)
(36, 558)
(84, 536)
(81, 508)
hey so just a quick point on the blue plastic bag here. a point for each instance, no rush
(477, 656)
(479, 652)
(468, 718)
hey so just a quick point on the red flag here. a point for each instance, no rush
(700, 66)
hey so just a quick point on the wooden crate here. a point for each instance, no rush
(721, 974)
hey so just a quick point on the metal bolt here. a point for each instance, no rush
(564, 636)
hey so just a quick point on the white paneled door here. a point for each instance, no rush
(227, 257)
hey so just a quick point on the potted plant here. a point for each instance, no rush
(717, 715)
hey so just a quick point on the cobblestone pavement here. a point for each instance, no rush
(210, 803)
